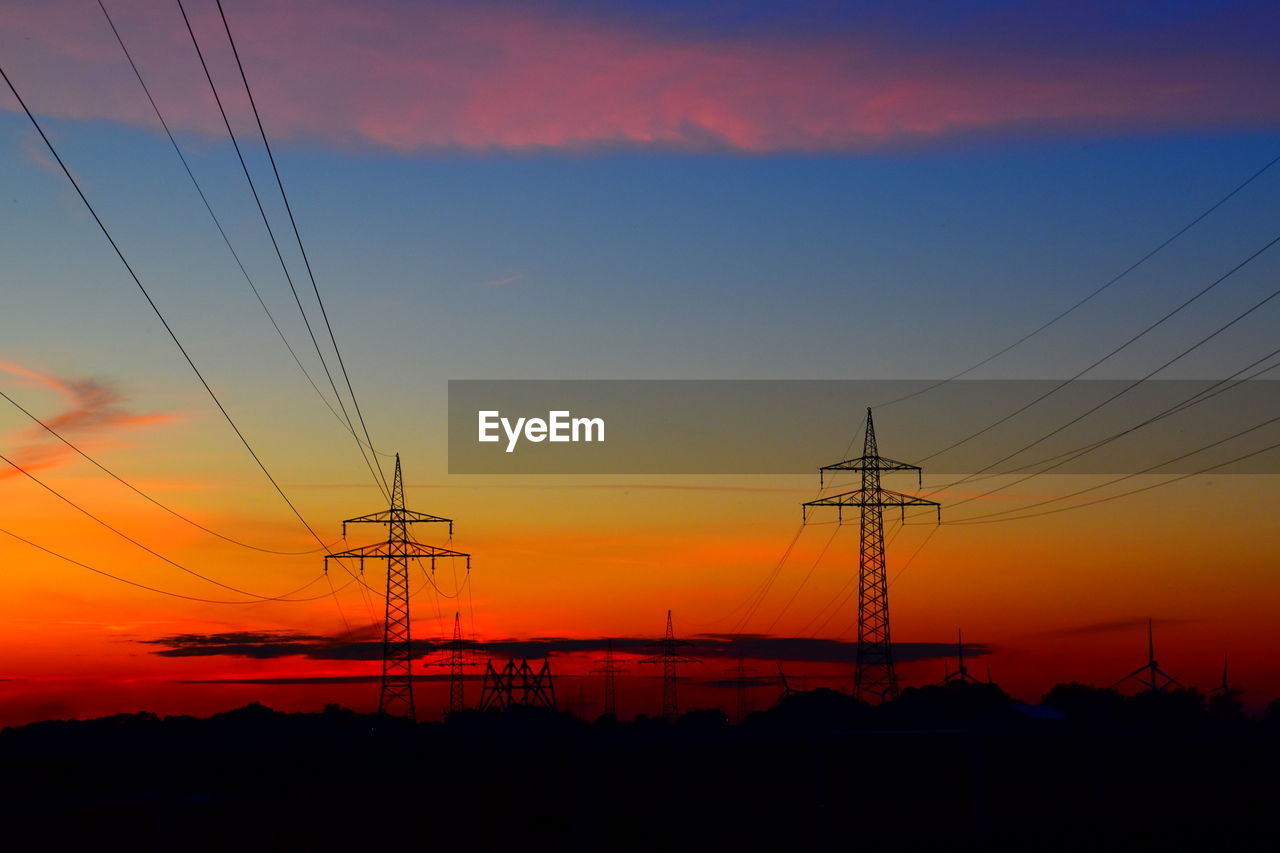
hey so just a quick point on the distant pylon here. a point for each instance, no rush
(1150, 675)
(514, 686)
(670, 658)
(609, 669)
(874, 674)
(962, 673)
(457, 657)
(397, 643)
(741, 682)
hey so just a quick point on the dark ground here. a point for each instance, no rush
(944, 768)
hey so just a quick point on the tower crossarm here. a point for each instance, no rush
(389, 550)
(876, 498)
(403, 516)
(868, 463)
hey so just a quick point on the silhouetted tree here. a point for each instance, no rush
(1225, 708)
(1085, 705)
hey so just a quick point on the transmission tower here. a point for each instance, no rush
(1150, 675)
(457, 657)
(874, 674)
(397, 644)
(741, 681)
(670, 658)
(520, 685)
(962, 673)
(609, 669)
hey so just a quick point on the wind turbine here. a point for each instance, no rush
(1150, 675)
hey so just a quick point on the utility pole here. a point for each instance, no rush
(396, 698)
(609, 669)
(874, 674)
(1150, 675)
(457, 658)
(670, 658)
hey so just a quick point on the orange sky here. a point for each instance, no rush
(1053, 599)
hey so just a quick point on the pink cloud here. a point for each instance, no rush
(90, 407)
(421, 76)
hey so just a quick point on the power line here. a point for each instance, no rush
(992, 517)
(297, 235)
(1225, 326)
(214, 216)
(244, 166)
(803, 581)
(131, 487)
(1186, 303)
(144, 586)
(118, 532)
(1097, 291)
(1201, 396)
(156, 310)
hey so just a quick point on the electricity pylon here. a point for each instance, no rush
(457, 657)
(670, 658)
(874, 674)
(1150, 675)
(609, 669)
(741, 682)
(962, 673)
(396, 698)
(521, 686)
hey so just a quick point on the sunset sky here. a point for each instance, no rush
(563, 190)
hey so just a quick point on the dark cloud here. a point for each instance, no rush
(1113, 626)
(316, 679)
(266, 645)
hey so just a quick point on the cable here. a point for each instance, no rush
(160, 316)
(155, 308)
(216, 221)
(42, 484)
(276, 246)
(148, 497)
(297, 235)
(134, 583)
(1184, 229)
(839, 595)
(1272, 242)
(932, 530)
(1115, 497)
(803, 581)
(757, 597)
(1061, 459)
(1256, 306)
(992, 517)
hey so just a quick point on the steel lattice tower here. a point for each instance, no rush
(397, 642)
(457, 657)
(874, 674)
(741, 681)
(670, 659)
(609, 669)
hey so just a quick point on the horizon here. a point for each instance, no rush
(611, 191)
